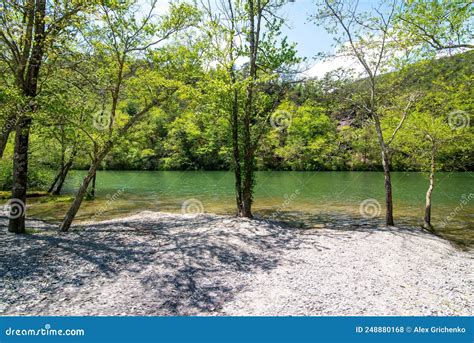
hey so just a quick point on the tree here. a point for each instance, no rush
(116, 46)
(224, 28)
(427, 139)
(438, 133)
(29, 30)
(436, 25)
(54, 123)
(366, 37)
(249, 31)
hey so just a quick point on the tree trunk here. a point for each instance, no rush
(386, 171)
(248, 165)
(248, 162)
(388, 189)
(248, 182)
(94, 178)
(71, 213)
(62, 178)
(429, 192)
(51, 188)
(61, 168)
(236, 153)
(20, 174)
(234, 118)
(30, 84)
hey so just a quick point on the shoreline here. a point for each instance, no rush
(281, 216)
(155, 263)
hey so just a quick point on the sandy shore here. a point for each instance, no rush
(166, 264)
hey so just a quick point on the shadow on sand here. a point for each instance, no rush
(165, 265)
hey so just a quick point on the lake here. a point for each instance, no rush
(308, 198)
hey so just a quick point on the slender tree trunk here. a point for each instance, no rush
(234, 118)
(71, 213)
(94, 178)
(61, 169)
(236, 153)
(8, 127)
(429, 192)
(386, 171)
(65, 170)
(248, 162)
(62, 178)
(20, 174)
(388, 189)
(56, 179)
(248, 173)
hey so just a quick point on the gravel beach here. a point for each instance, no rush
(169, 264)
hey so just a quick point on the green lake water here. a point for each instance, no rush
(310, 198)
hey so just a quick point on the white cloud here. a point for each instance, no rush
(325, 66)
(162, 7)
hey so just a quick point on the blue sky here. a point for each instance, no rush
(310, 38)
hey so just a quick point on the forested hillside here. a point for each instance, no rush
(319, 132)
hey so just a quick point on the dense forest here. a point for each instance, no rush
(115, 85)
(319, 131)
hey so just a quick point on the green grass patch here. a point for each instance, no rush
(32, 194)
(56, 199)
